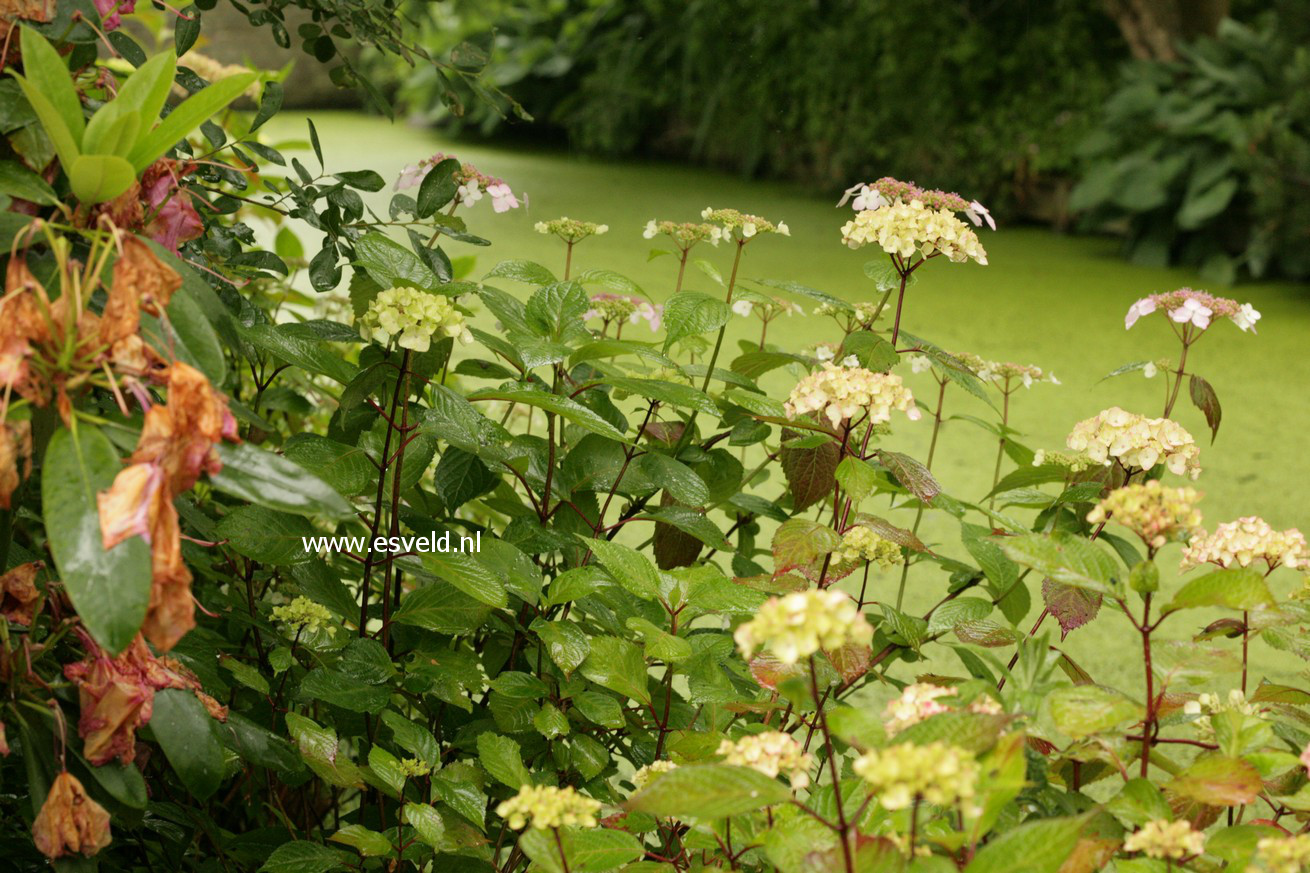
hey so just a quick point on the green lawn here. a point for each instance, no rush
(1051, 300)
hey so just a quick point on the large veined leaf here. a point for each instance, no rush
(186, 117)
(276, 482)
(1065, 558)
(588, 850)
(568, 409)
(109, 588)
(709, 791)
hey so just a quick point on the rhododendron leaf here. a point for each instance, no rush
(277, 482)
(147, 88)
(21, 183)
(1064, 557)
(1083, 710)
(1218, 780)
(1204, 399)
(98, 178)
(48, 75)
(110, 589)
(709, 791)
(186, 117)
(1231, 588)
(112, 130)
(188, 334)
(187, 734)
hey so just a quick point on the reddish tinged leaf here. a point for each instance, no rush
(911, 474)
(891, 532)
(801, 544)
(1218, 780)
(1270, 693)
(1072, 607)
(988, 634)
(784, 584)
(1204, 398)
(770, 672)
(810, 472)
(851, 661)
(674, 547)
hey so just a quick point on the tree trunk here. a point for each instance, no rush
(1154, 28)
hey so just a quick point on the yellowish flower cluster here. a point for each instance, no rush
(303, 614)
(1166, 839)
(842, 392)
(544, 807)
(1004, 374)
(413, 768)
(905, 228)
(798, 625)
(1074, 462)
(1246, 541)
(684, 234)
(862, 544)
(1136, 442)
(771, 753)
(212, 70)
(1154, 512)
(612, 307)
(938, 773)
(412, 317)
(919, 702)
(645, 775)
(570, 229)
(1284, 854)
(1212, 704)
(741, 226)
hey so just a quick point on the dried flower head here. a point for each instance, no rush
(1290, 854)
(1246, 541)
(903, 229)
(1166, 839)
(797, 625)
(304, 614)
(70, 822)
(18, 593)
(1136, 442)
(772, 753)
(684, 234)
(1154, 512)
(1195, 308)
(570, 230)
(938, 773)
(841, 393)
(545, 807)
(741, 226)
(412, 317)
(862, 544)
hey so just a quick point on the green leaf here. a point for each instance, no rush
(442, 609)
(689, 313)
(588, 850)
(147, 88)
(660, 645)
(856, 477)
(631, 569)
(1205, 399)
(438, 187)
(186, 117)
(47, 74)
(276, 482)
(196, 339)
(669, 393)
(618, 665)
(1138, 802)
(565, 642)
(346, 469)
(314, 356)
(266, 535)
(1083, 710)
(338, 689)
(112, 130)
(21, 183)
(390, 263)
(810, 471)
(426, 822)
(368, 843)
(458, 785)
(1033, 847)
(320, 750)
(303, 857)
(110, 589)
(569, 409)
(502, 759)
(386, 767)
(463, 571)
(98, 178)
(953, 612)
(1217, 780)
(1231, 588)
(527, 272)
(190, 741)
(912, 475)
(1064, 557)
(709, 791)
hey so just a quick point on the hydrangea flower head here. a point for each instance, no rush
(1136, 442)
(619, 308)
(412, 317)
(1003, 373)
(887, 190)
(797, 625)
(862, 544)
(730, 224)
(1196, 308)
(645, 775)
(1154, 512)
(570, 229)
(841, 393)
(1290, 854)
(472, 183)
(545, 807)
(767, 308)
(771, 753)
(1166, 839)
(684, 234)
(938, 773)
(1074, 462)
(906, 228)
(1246, 541)
(919, 701)
(303, 614)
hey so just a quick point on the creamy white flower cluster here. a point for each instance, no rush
(1289, 854)
(771, 753)
(840, 393)
(1196, 308)
(1003, 373)
(937, 773)
(684, 234)
(767, 308)
(1209, 704)
(1154, 512)
(1136, 442)
(544, 807)
(919, 701)
(1166, 839)
(797, 625)
(645, 775)
(862, 544)
(570, 229)
(412, 317)
(741, 226)
(874, 195)
(303, 614)
(905, 228)
(1245, 541)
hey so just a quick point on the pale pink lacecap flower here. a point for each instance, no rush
(410, 176)
(978, 214)
(502, 198)
(1197, 308)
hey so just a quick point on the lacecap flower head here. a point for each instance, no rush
(1004, 374)
(841, 393)
(771, 753)
(684, 234)
(887, 190)
(937, 773)
(903, 228)
(1156, 513)
(412, 317)
(731, 224)
(618, 308)
(1174, 840)
(1195, 308)
(473, 183)
(544, 807)
(570, 230)
(1246, 541)
(862, 544)
(795, 626)
(1136, 442)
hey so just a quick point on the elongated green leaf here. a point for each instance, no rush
(670, 393)
(441, 608)
(630, 568)
(390, 263)
(304, 857)
(276, 482)
(147, 88)
(463, 571)
(266, 535)
(568, 409)
(709, 791)
(109, 588)
(112, 130)
(98, 178)
(48, 74)
(19, 182)
(502, 758)
(186, 117)
(316, 356)
(190, 741)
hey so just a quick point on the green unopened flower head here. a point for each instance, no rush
(740, 226)
(862, 544)
(413, 768)
(798, 625)
(684, 234)
(1166, 839)
(1284, 854)
(303, 614)
(938, 773)
(570, 229)
(412, 317)
(545, 807)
